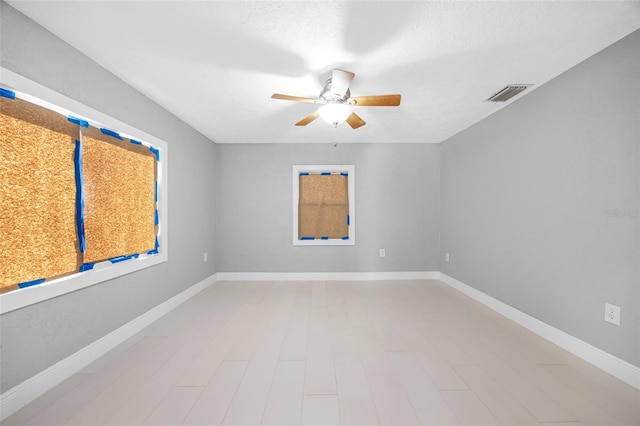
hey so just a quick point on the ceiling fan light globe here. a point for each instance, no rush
(335, 113)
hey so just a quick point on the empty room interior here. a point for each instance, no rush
(320, 213)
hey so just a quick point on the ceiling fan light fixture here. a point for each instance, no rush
(337, 103)
(335, 113)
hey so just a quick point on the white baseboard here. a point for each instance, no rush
(617, 367)
(27, 391)
(326, 276)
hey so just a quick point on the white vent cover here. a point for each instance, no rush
(508, 92)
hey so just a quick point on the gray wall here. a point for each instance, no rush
(396, 197)
(526, 196)
(35, 337)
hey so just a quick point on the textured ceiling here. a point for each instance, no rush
(215, 64)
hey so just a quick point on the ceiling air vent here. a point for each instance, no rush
(508, 92)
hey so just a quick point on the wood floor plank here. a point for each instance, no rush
(367, 341)
(320, 376)
(258, 290)
(437, 334)
(443, 375)
(469, 408)
(427, 402)
(320, 369)
(343, 341)
(248, 332)
(174, 407)
(380, 312)
(318, 293)
(354, 395)
(357, 315)
(200, 371)
(335, 293)
(284, 299)
(248, 404)
(284, 406)
(320, 410)
(215, 399)
(392, 404)
(497, 399)
(294, 347)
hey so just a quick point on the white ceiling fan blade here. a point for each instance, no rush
(340, 81)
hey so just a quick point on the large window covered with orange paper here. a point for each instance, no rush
(73, 194)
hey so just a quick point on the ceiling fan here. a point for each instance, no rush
(337, 103)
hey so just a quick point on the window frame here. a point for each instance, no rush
(351, 188)
(103, 271)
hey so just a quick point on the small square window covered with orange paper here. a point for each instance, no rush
(323, 206)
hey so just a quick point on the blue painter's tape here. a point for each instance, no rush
(77, 163)
(156, 152)
(80, 122)
(135, 142)
(345, 238)
(157, 218)
(304, 173)
(6, 93)
(157, 244)
(135, 256)
(86, 266)
(156, 194)
(348, 220)
(344, 174)
(307, 238)
(111, 133)
(120, 259)
(324, 238)
(31, 283)
(325, 173)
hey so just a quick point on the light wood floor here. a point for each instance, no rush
(325, 353)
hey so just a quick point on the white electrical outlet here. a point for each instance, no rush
(204, 257)
(383, 253)
(446, 257)
(612, 313)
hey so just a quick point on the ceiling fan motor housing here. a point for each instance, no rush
(330, 97)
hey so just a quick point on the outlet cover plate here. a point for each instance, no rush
(612, 313)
